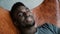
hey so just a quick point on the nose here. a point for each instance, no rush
(30, 21)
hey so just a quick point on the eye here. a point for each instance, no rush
(27, 9)
(20, 14)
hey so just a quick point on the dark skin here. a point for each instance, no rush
(23, 18)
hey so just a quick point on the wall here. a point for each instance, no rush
(7, 4)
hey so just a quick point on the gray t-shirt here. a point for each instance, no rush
(48, 29)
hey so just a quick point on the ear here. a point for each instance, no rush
(16, 23)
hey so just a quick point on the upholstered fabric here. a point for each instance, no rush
(6, 24)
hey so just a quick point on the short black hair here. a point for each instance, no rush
(17, 4)
(14, 8)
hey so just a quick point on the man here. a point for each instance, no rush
(23, 18)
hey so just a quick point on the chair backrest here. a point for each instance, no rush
(46, 12)
(6, 24)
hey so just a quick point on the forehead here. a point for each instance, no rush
(23, 9)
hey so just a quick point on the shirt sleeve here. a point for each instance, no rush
(59, 31)
(47, 29)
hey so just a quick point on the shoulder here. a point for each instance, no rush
(47, 28)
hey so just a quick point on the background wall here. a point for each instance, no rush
(7, 4)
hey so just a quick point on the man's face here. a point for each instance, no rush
(24, 16)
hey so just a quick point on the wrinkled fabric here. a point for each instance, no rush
(48, 29)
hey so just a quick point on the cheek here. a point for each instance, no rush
(21, 18)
